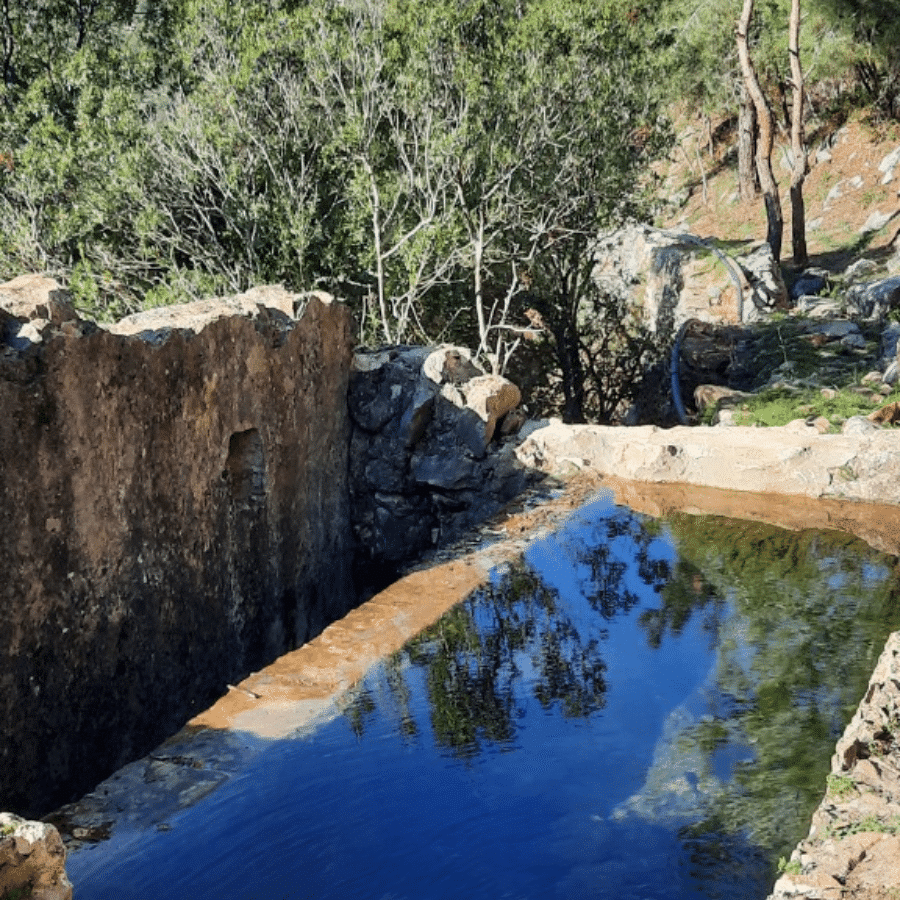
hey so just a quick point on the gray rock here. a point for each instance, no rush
(423, 462)
(809, 284)
(859, 270)
(837, 329)
(451, 474)
(767, 289)
(876, 221)
(890, 162)
(872, 300)
(859, 425)
(417, 415)
(890, 335)
(818, 307)
(855, 341)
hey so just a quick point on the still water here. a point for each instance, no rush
(637, 710)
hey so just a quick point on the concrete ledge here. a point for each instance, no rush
(789, 460)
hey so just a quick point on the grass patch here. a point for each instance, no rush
(839, 786)
(778, 406)
(868, 825)
(789, 868)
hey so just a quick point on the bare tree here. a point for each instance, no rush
(748, 180)
(798, 144)
(774, 218)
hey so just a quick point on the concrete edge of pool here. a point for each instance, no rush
(303, 688)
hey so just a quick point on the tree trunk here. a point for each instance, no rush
(568, 355)
(798, 144)
(774, 219)
(748, 181)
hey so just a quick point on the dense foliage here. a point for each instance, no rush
(444, 165)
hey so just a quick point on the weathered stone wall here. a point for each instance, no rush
(173, 515)
(428, 454)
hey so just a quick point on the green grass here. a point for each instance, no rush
(839, 786)
(789, 868)
(778, 406)
(867, 825)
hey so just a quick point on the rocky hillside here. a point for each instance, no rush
(828, 354)
(851, 192)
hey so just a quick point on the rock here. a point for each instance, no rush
(857, 271)
(810, 283)
(890, 336)
(491, 397)
(876, 221)
(854, 341)
(37, 297)
(670, 277)
(32, 860)
(852, 840)
(426, 422)
(837, 329)
(872, 300)
(859, 425)
(453, 365)
(714, 396)
(767, 289)
(818, 308)
(888, 164)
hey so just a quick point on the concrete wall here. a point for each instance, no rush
(173, 515)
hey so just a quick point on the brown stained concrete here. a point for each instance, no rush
(876, 524)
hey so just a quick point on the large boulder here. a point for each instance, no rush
(32, 860)
(874, 299)
(674, 277)
(427, 456)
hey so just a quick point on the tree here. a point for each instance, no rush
(774, 219)
(798, 145)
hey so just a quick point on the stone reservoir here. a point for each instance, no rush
(177, 513)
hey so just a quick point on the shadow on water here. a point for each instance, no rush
(638, 709)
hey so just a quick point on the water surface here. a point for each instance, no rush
(638, 709)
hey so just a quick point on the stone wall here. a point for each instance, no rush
(174, 514)
(430, 452)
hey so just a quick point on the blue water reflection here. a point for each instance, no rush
(594, 724)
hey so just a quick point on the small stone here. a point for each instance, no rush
(859, 425)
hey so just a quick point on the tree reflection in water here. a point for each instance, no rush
(517, 631)
(798, 620)
(795, 622)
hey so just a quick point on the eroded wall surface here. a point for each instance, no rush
(173, 515)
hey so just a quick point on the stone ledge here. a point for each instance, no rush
(764, 460)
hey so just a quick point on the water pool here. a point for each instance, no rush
(638, 709)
